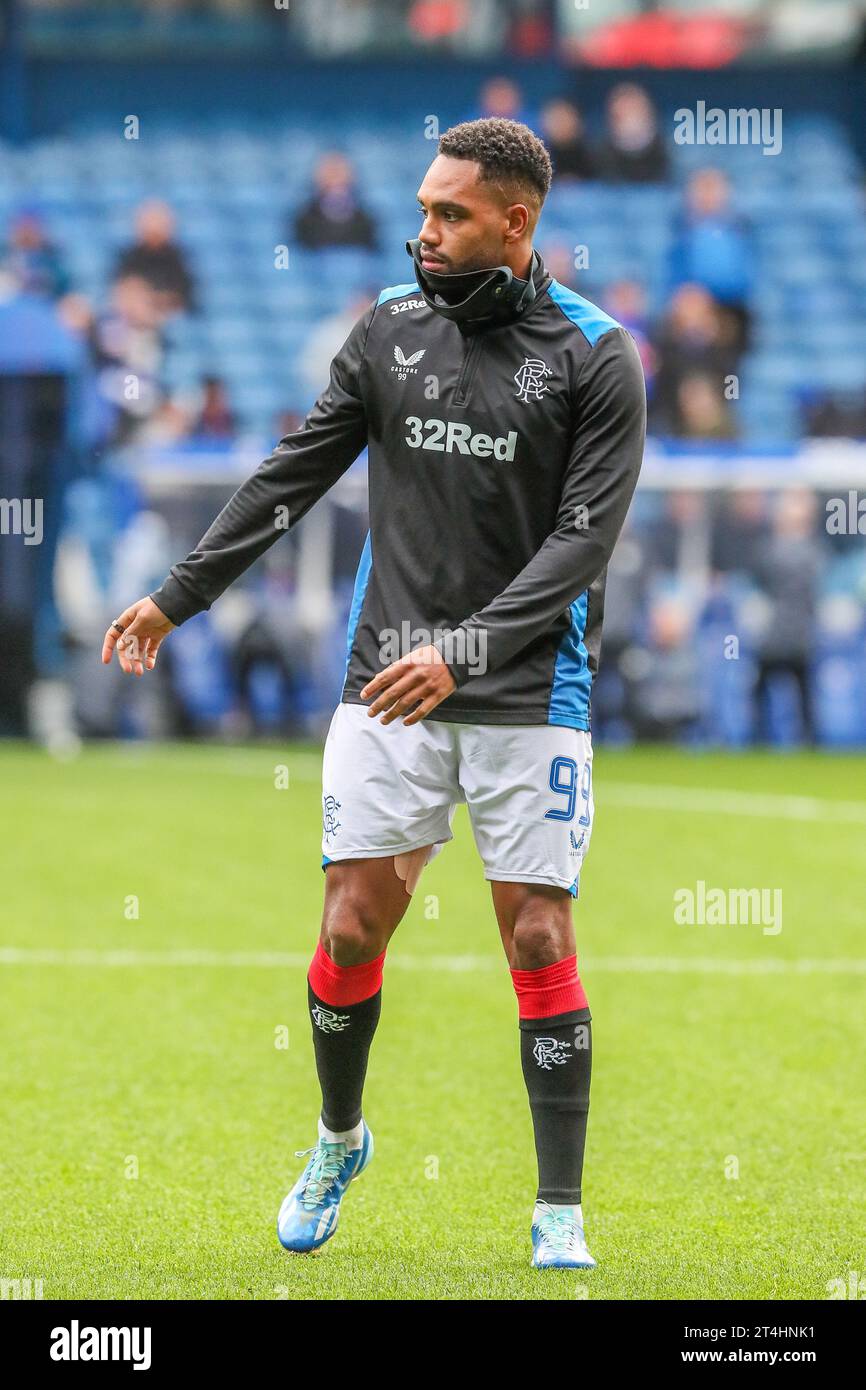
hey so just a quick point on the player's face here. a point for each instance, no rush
(466, 224)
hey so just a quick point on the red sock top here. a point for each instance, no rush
(340, 985)
(554, 989)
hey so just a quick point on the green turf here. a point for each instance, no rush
(177, 1066)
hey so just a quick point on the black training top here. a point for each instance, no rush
(502, 462)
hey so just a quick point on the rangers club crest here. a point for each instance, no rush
(330, 824)
(549, 1053)
(327, 1021)
(530, 379)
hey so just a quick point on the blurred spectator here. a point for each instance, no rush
(531, 29)
(500, 96)
(837, 415)
(327, 338)
(665, 674)
(215, 419)
(694, 338)
(127, 350)
(458, 26)
(75, 312)
(271, 656)
(713, 247)
(702, 410)
(202, 416)
(679, 542)
(558, 257)
(330, 27)
(563, 132)
(334, 214)
(157, 258)
(168, 424)
(740, 531)
(625, 300)
(787, 570)
(29, 262)
(288, 422)
(633, 150)
(624, 600)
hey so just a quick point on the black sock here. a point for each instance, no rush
(556, 1054)
(341, 1039)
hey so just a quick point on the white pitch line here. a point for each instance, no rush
(454, 965)
(719, 965)
(241, 762)
(730, 803)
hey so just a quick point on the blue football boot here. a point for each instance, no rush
(557, 1238)
(310, 1212)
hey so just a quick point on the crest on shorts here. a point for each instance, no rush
(330, 824)
(549, 1053)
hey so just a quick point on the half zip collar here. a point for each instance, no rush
(541, 278)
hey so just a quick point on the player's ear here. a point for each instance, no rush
(519, 220)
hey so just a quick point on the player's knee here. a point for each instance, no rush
(353, 929)
(542, 934)
(350, 939)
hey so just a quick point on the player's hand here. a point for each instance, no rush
(422, 675)
(145, 628)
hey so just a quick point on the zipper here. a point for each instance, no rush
(467, 371)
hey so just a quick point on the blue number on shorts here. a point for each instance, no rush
(563, 781)
(585, 784)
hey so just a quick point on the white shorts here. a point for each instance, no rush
(389, 789)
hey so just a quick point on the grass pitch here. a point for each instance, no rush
(159, 906)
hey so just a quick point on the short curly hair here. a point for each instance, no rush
(509, 155)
